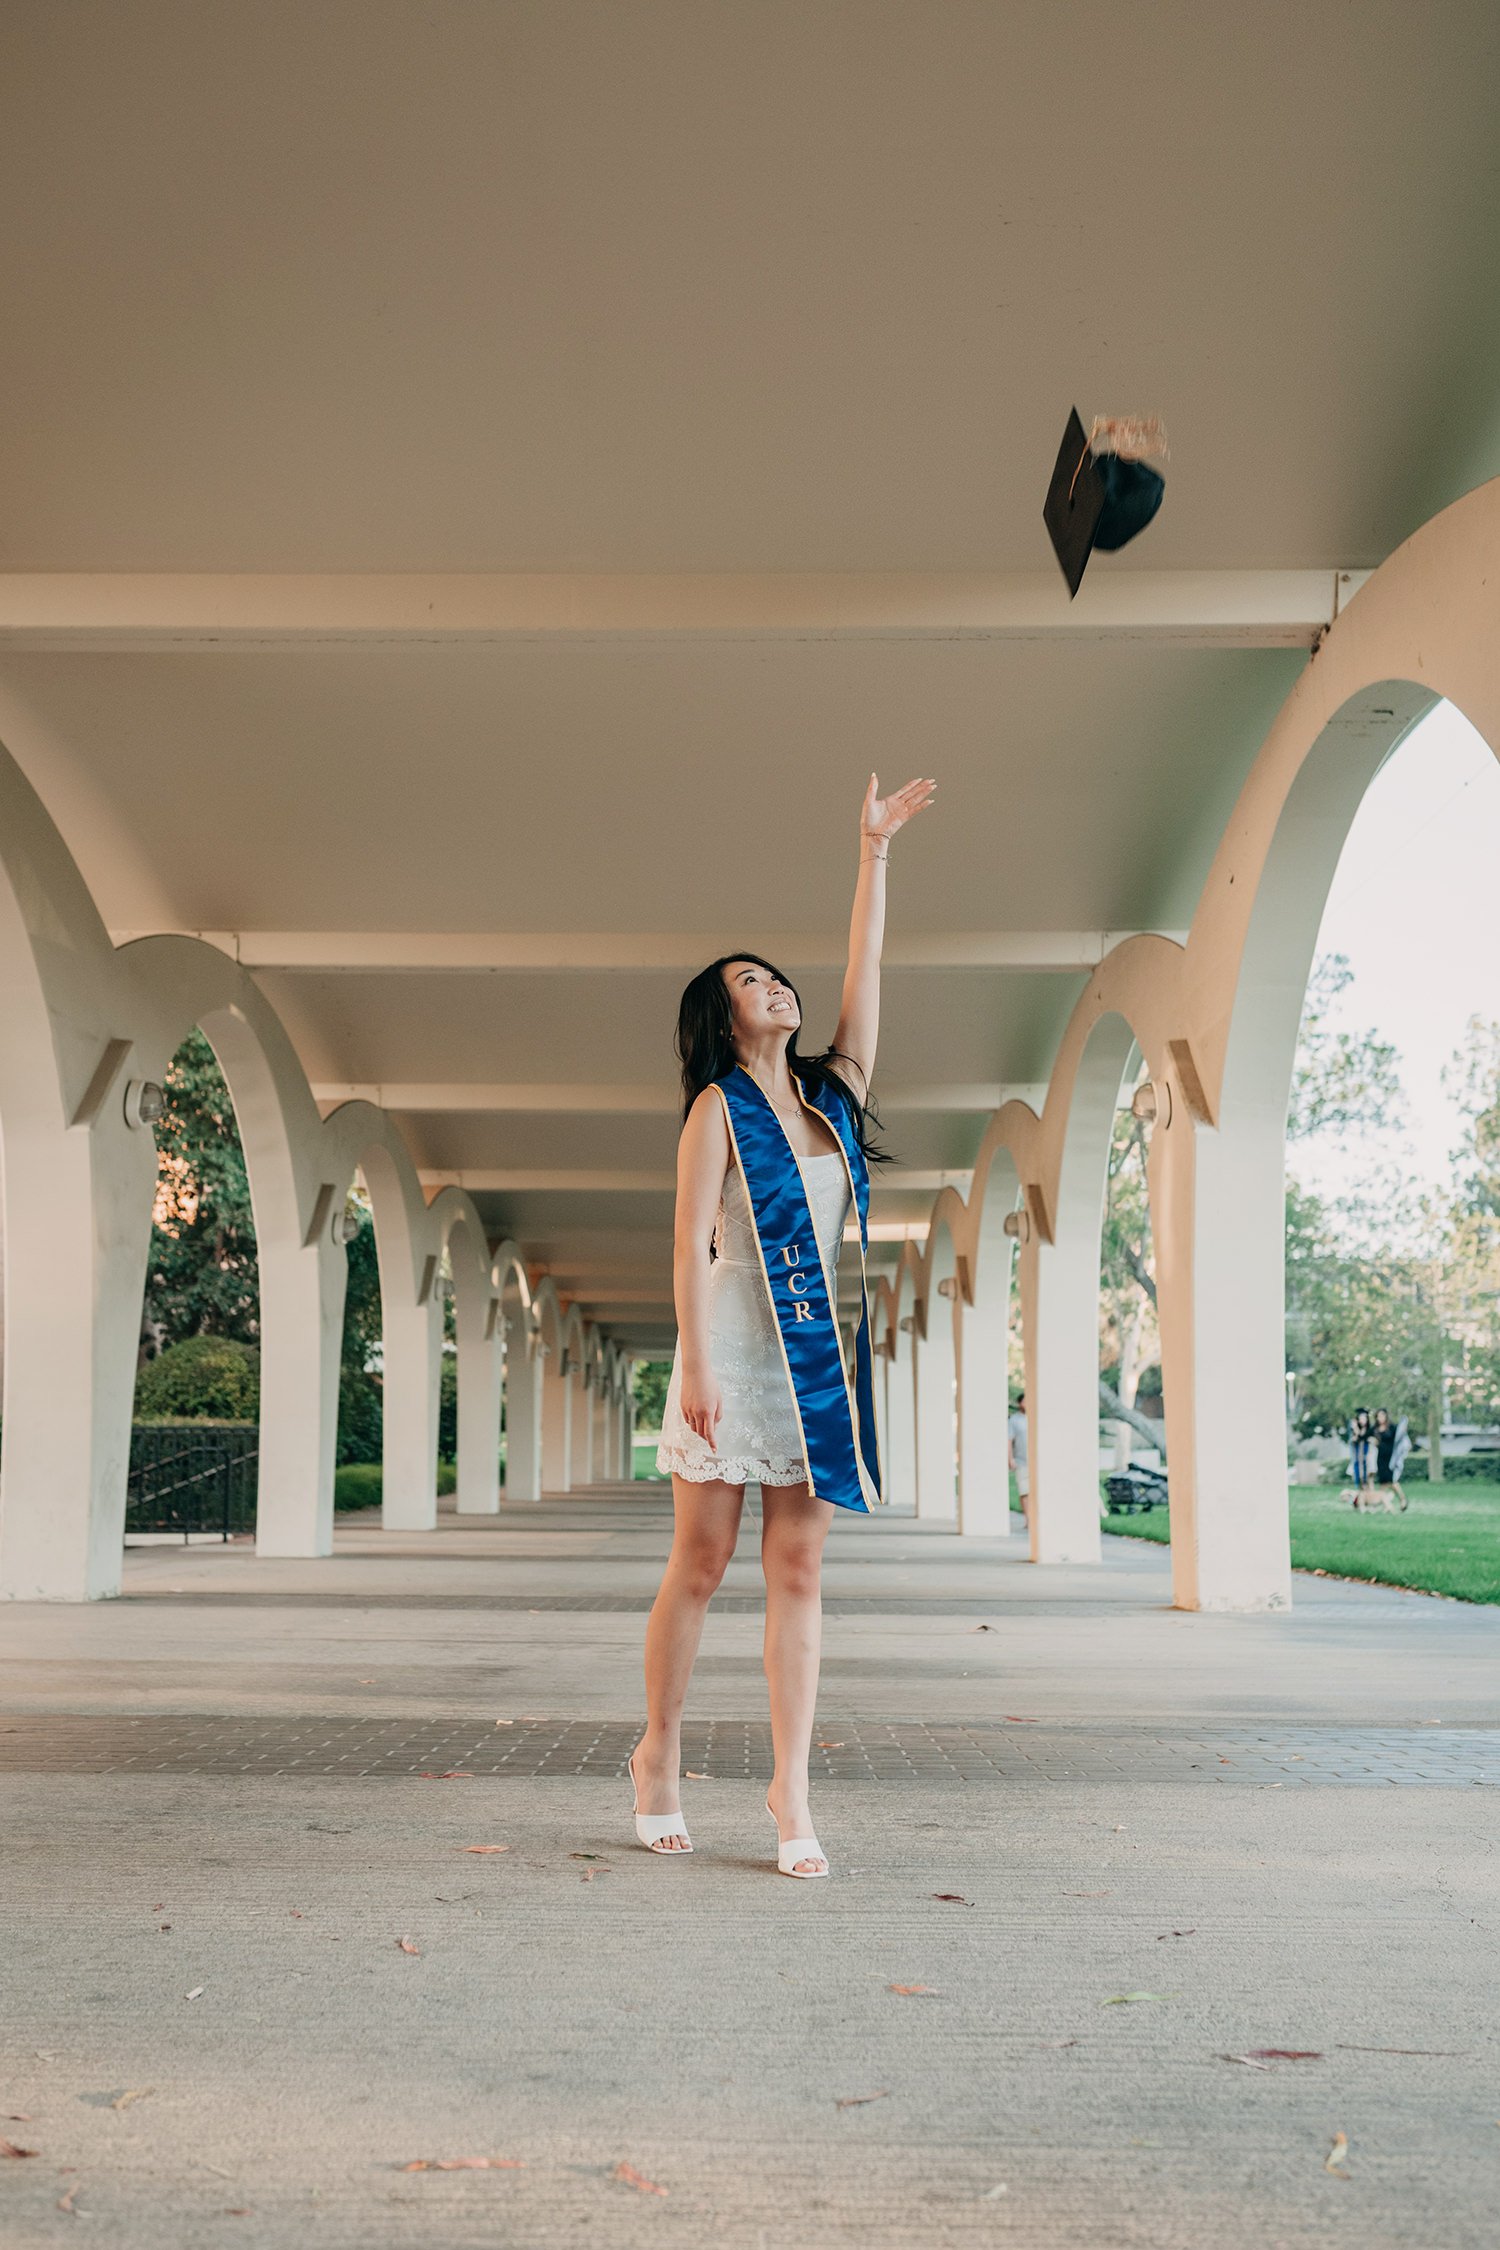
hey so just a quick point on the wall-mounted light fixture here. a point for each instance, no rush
(948, 1287)
(1151, 1103)
(443, 1286)
(1018, 1225)
(144, 1103)
(345, 1226)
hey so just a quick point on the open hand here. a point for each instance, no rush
(882, 816)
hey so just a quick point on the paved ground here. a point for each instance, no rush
(230, 1796)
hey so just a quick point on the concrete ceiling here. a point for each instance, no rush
(636, 287)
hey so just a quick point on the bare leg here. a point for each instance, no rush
(794, 1527)
(706, 1525)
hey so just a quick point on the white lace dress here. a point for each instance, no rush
(757, 1441)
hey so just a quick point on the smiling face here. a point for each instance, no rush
(759, 1002)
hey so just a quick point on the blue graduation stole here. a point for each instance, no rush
(835, 1414)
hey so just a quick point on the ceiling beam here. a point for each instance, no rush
(209, 610)
(592, 951)
(580, 1181)
(649, 1099)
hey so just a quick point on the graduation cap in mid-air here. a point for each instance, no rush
(1104, 489)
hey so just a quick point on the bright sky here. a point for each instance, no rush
(1416, 907)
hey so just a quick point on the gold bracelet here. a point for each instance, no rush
(877, 855)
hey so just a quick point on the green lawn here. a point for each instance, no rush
(1448, 1542)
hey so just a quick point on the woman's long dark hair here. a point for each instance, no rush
(705, 1048)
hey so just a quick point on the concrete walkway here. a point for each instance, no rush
(231, 1795)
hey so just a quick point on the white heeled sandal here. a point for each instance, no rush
(653, 1829)
(795, 1848)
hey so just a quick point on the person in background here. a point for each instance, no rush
(1358, 1435)
(1017, 1454)
(1389, 1444)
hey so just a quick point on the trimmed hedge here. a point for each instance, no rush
(202, 1379)
(358, 1483)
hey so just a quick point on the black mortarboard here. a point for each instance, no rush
(1098, 499)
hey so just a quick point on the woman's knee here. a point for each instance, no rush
(794, 1569)
(701, 1564)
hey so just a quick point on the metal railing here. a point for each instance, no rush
(188, 1478)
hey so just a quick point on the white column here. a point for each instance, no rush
(984, 1402)
(901, 1423)
(77, 1230)
(557, 1422)
(302, 1288)
(478, 1333)
(627, 1428)
(580, 1416)
(602, 1452)
(523, 1409)
(412, 1346)
(937, 1421)
(1218, 1216)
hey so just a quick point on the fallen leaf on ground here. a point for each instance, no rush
(1015, 1719)
(981, 1628)
(1334, 2160)
(1347, 2047)
(484, 1847)
(465, 2164)
(163, 1927)
(953, 1898)
(1285, 2054)
(909, 1991)
(857, 2101)
(1161, 1934)
(635, 2179)
(1124, 1999)
(407, 1945)
(364, 1683)
(296, 1914)
(131, 2094)
(238, 2210)
(505, 1722)
(689, 1775)
(993, 2195)
(18, 2117)
(599, 1856)
(196, 1993)
(160, 1904)
(454, 1773)
(9, 2148)
(1249, 2061)
(65, 2200)
(1057, 2042)
(831, 1746)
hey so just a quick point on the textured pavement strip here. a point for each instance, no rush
(861, 1750)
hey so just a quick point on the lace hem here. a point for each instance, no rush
(713, 1468)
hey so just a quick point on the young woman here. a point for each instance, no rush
(1359, 1450)
(1388, 1448)
(773, 1155)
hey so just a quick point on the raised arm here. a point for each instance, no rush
(859, 1012)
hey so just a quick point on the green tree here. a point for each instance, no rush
(650, 1382)
(1342, 1081)
(202, 1278)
